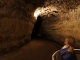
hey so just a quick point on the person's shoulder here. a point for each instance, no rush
(62, 51)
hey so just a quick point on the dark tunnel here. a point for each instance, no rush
(36, 28)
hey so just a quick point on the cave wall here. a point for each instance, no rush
(17, 20)
(64, 23)
(16, 23)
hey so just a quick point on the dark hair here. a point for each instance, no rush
(71, 42)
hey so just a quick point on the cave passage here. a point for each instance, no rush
(36, 28)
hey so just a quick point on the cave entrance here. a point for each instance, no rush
(36, 28)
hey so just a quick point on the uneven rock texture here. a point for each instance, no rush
(64, 23)
(17, 21)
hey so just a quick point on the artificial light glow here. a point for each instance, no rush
(44, 11)
(36, 13)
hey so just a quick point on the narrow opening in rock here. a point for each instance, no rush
(36, 28)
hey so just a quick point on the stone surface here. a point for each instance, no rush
(62, 25)
(17, 21)
(16, 24)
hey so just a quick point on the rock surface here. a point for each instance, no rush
(17, 21)
(63, 23)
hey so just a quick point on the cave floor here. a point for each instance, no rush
(35, 50)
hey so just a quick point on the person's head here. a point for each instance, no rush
(70, 41)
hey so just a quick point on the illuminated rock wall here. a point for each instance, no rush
(64, 23)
